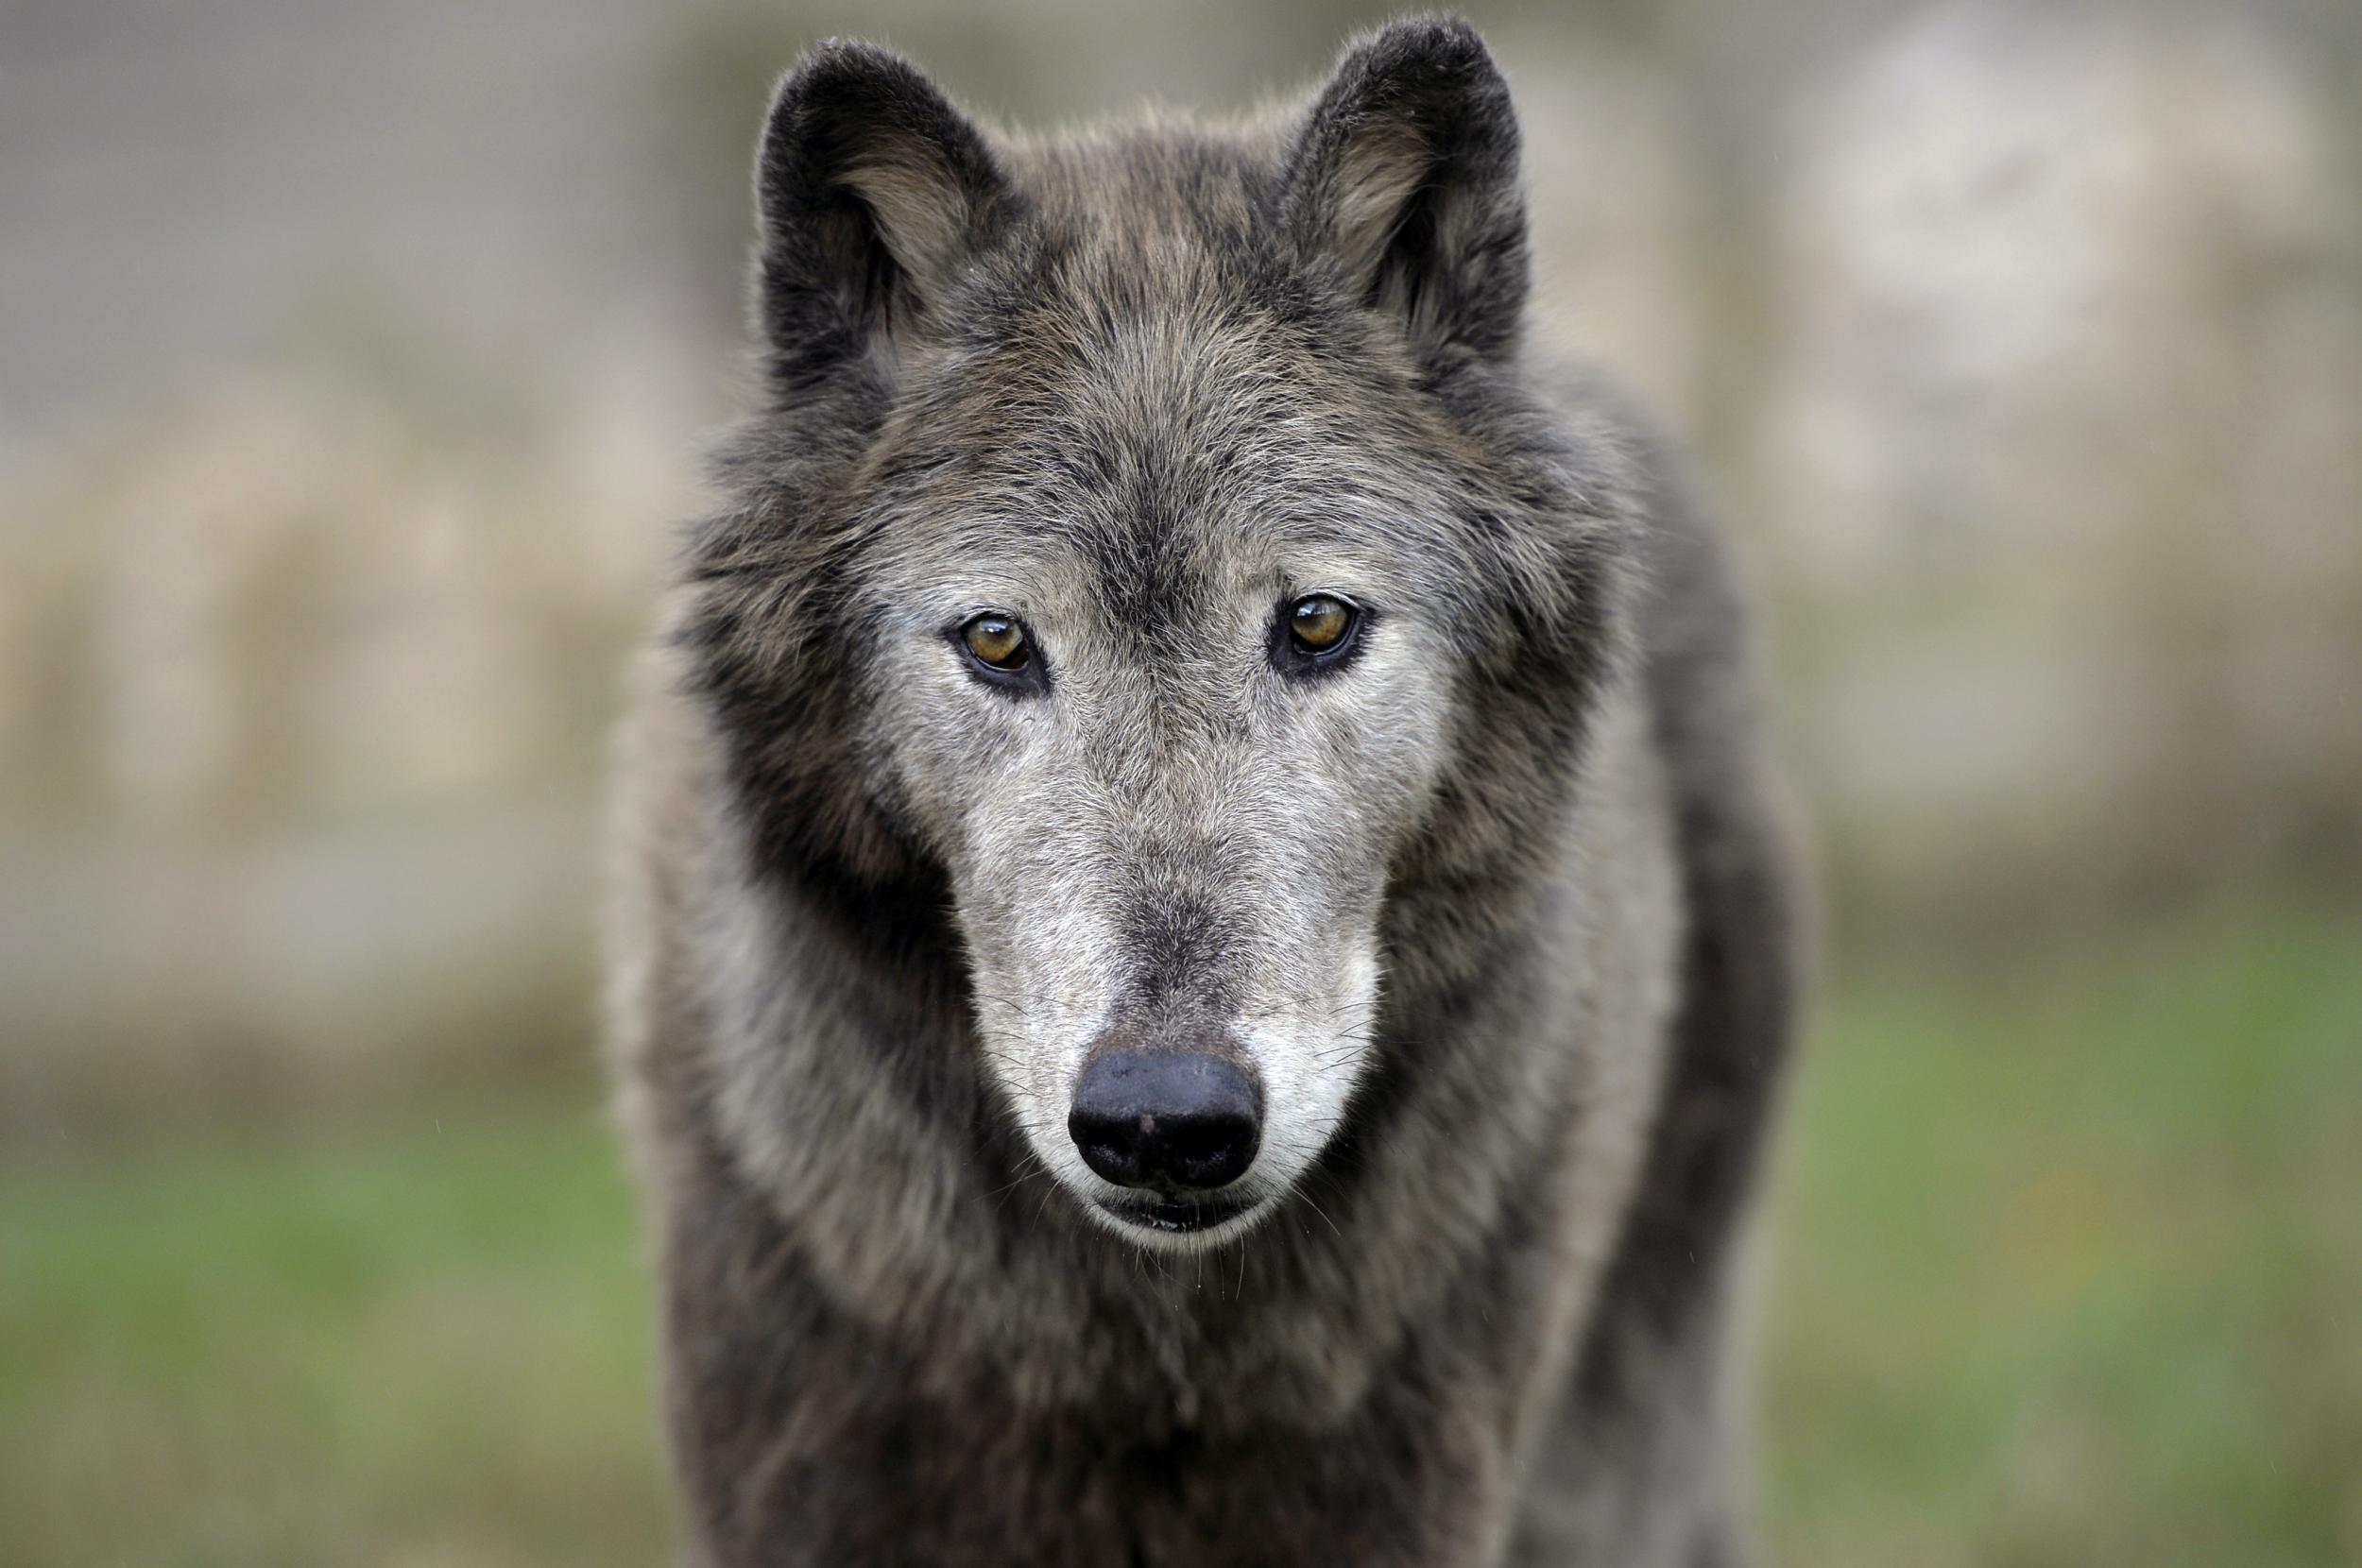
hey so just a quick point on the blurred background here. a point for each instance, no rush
(355, 363)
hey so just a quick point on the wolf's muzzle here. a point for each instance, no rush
(1176, 1121)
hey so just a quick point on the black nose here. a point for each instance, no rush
(1165, 1119)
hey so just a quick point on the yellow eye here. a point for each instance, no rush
(997, 640)
(1318, 623)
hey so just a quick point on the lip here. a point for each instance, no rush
(1179, 1216)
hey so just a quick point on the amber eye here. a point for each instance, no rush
(1318, 623)
(997, 640)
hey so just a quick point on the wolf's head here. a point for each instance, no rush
(1151, 550)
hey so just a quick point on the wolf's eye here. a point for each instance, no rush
(1316, 634)
(997, 640)
(1318, 624)
(1001, 653)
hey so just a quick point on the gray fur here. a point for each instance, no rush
(1495, 912)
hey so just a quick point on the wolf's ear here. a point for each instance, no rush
(871, 192)
(1404, 177)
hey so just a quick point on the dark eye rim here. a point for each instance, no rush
(1293, 658)
(1031, 673)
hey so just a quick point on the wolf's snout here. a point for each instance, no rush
(1171, 1119)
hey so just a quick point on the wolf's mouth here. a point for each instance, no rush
(1179, 1216)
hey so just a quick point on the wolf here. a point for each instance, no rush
(1203, 947)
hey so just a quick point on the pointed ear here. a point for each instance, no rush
(872, 192)
(1404, 177)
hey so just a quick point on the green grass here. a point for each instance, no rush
(2068, 1264)
(430, 1345)
(2066, 1269)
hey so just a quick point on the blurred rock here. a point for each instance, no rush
(2064, 452)
(318, 812)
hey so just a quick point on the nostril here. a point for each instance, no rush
(1166, 1118)
(1210, 1150)
(1109, 1145)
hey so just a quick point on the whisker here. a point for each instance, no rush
(1322, 1213)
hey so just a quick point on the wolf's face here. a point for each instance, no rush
(1166, 713)
(1149, 567)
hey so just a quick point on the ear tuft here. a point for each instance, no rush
(1404, 178)
(872, 193)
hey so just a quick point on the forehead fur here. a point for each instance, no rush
(1144, 378)
(1145, 381)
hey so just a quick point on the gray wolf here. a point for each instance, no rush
(1202, 957)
